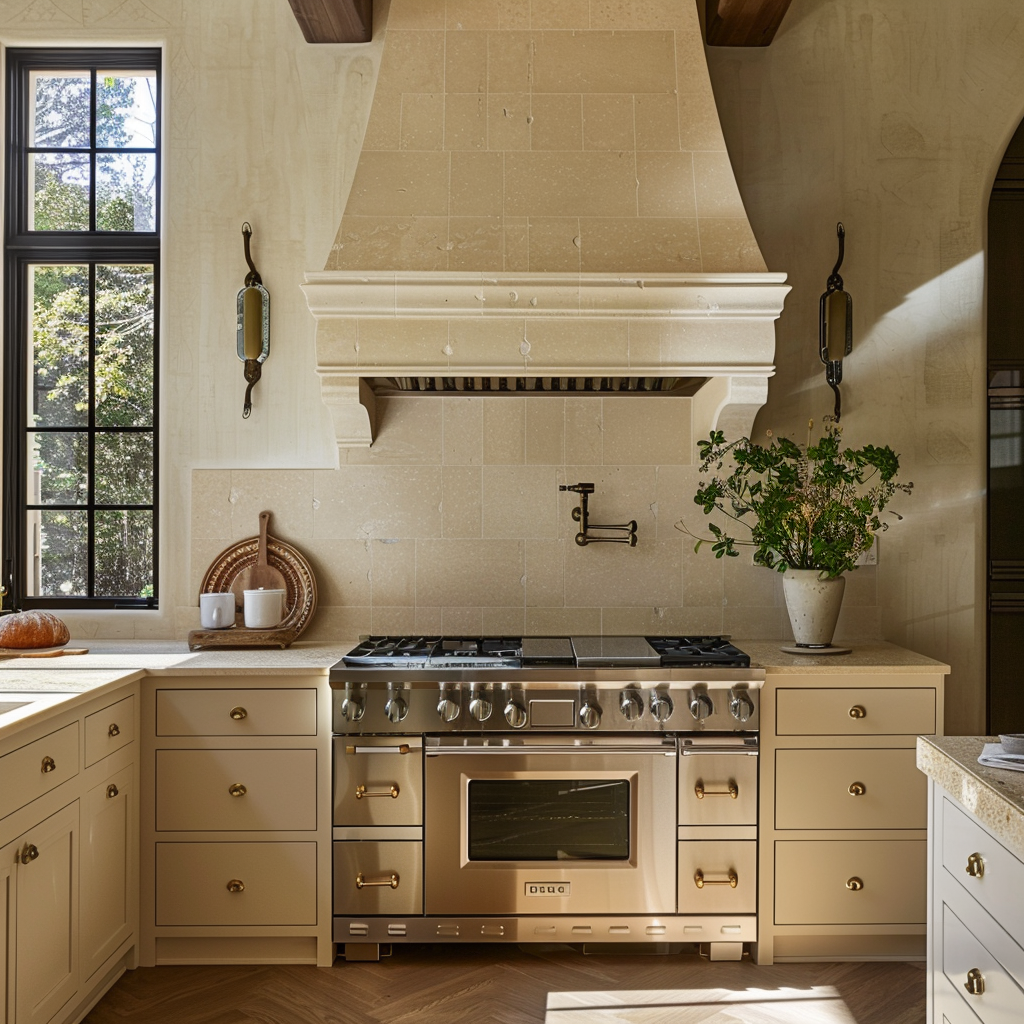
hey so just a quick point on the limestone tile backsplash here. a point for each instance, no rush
(453, 522)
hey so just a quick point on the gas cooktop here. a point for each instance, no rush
(440, 652)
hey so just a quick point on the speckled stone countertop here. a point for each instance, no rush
(864, 656)
(995, 796)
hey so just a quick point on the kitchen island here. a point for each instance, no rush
(975, 878)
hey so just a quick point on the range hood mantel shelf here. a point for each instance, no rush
(717, 327)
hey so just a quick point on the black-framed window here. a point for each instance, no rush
(81, 285)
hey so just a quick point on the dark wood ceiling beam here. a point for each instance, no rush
(334, 21)
(742, 22)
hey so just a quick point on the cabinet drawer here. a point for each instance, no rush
(271, 883)
(716, 863)
(361, 866)
(812, 879)
(963, 952)
(109, 730)
(374, 784)
(866, 711)
(1001, 872)
(717, 788)
(236, 712)
(855, 789)
(36, 768)
(235, 790)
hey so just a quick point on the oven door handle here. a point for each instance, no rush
(402, 748)
(566, 748)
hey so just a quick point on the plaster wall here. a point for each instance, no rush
(891, 118)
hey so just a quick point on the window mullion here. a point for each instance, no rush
(91, 463)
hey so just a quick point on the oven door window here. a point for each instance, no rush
(548, 819)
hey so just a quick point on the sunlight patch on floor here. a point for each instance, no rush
(817, 1005)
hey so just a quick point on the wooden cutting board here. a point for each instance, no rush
(261, 574)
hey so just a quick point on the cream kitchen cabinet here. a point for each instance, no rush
(976, 875)
(236, 819)
(843, 810)
(68, 864)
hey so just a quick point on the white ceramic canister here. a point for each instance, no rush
(263, 608)
(216, 611)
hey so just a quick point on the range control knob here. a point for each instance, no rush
(590, 715)
(631, 704)
(352, 708)
(396, 708)
(448, 709)
(480, 708)
(661, 706)
(515, 714)
(740, 705)
(701, 706)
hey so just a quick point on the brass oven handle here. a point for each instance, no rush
(238, 713)
(975, 983)
(236, 885)
(976, 865)
(389, 880)
(237, 789)
(402, 748)
(700, 881)
(854, 884)
(48, 765)
(858, 711)
(733, 790)
(113, 730)
(392, 792)
(857, 789)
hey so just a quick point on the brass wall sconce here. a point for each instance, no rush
(581, 515)
(835, 329)
(252, 334)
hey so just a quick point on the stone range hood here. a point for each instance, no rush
(544, 203)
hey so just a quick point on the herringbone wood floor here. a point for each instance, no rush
(509, 985)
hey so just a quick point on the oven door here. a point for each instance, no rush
(549, 825)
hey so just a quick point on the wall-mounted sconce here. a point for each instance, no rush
(581, 515)
(835, 331)
(252, 336)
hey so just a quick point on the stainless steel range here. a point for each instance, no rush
(545, 789)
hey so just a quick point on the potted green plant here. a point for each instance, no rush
(810, 511)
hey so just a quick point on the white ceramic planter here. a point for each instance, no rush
(813, 604)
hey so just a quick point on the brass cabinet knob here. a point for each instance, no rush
(857, 789)
(393, 791)
(854, 884)
(237, 789)
(238, 713)
(389, 880)
(111, 791)
(700, 881)
(976, 865)
(975, 983)
(113, 730)
(29, 852)
(858, 711)
(48, 765)
(236, 885)
(731, 790)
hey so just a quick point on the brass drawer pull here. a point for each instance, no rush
(29, 852)
(236, 885)
(392, 792)
(858, 711)
(976, 865)
(111, 791)
(975, 983)
(857, 789)
(732, 790)
(700, 881)
(389, 880)
(854, 884)
(237, 789)
(238, 713)
(113, 730)
(49, 765)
